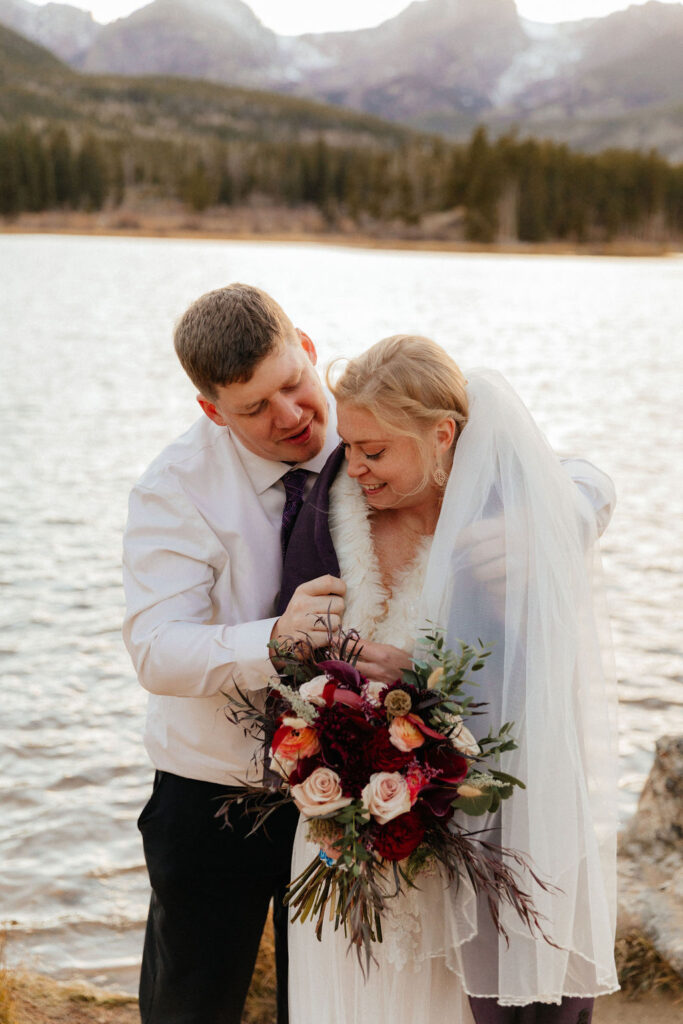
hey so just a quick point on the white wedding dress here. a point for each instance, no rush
(550, 673)
(411, 983)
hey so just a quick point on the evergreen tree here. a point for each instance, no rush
(31, 171)
(64, 168)
(532, 216)
(11, 192)
(92, 174)
(197, 189)
(483, 188)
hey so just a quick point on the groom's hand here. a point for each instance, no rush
(382, 662)
(312, 607)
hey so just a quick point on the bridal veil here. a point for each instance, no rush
(549, 673)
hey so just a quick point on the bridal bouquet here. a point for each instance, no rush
(379, 771)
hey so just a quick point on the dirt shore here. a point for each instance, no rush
(278, 225)
(39, 1000)
(30, 998)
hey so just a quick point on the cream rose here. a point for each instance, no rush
(372, 691)
(320, 793)
(313, 689)
(386, 796)
(462, 739)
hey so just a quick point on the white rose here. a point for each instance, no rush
(372, 691)
(313, 689)
(319, 794)
(386, 796)
(462, 739)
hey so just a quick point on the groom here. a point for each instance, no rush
(207, 525)
(202, 564)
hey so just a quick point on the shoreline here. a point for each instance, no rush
(38, 999)
(285, 227)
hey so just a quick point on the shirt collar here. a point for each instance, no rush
(263, 473)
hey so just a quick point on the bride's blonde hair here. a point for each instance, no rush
(408, 382)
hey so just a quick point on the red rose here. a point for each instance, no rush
(303, 769)
(400, 836)
(382, 756)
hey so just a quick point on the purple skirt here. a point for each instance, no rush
(570, 1011)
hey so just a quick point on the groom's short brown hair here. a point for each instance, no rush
(224, 334)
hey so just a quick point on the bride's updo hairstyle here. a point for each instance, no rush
(408, 382)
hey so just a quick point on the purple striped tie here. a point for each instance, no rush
(295, 482)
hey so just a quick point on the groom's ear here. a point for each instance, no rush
(308, 346)
(210, 410)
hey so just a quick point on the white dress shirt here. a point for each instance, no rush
(201, 567)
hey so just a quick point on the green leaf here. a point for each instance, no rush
(504, 777)
(474, 805)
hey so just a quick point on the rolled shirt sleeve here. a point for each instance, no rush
(596, 487)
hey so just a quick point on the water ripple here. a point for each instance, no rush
(587, 342)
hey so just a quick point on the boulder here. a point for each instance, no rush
(651, 857)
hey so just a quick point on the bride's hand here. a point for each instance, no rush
(382, 662)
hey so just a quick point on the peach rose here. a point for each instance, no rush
(320, 793)
(404, 733)
(313, 689)
(294, 740)
(386, 796)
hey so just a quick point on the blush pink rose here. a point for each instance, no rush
(313, 689)
(386, 796)
(320, 793)
(405, 734)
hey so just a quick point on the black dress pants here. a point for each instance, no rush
(211, 888)
(571, 1010)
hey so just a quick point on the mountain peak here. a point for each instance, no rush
(234, 12)
(439, 65)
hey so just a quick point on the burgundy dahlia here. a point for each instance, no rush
(381, 754)
(400, 836)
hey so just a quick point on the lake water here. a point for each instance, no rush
(91, 392)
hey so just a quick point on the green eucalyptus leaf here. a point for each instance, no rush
(474, 805)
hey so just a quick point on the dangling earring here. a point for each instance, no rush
(440, 477)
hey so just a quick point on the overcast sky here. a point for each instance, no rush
(295, 16)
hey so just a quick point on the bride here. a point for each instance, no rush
(454, 512)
